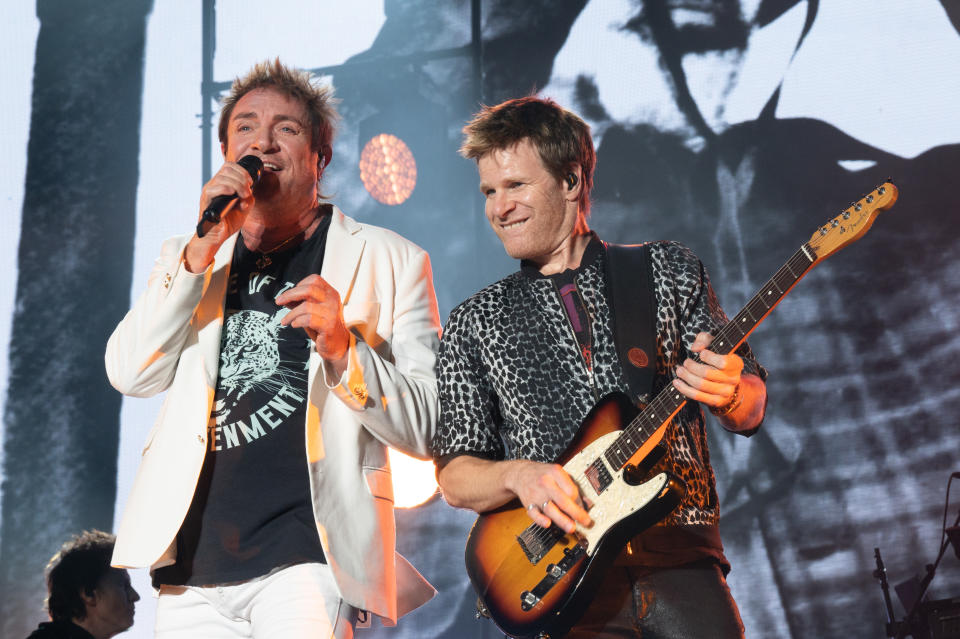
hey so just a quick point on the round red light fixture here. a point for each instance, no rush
(388, 169)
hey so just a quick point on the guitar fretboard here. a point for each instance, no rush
(668, 401)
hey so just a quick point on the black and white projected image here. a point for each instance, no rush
(857, 445)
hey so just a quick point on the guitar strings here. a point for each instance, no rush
(795, 267)
(668, 401)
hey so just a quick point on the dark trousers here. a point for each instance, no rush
(689, 602)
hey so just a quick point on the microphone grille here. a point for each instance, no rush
(253, 165)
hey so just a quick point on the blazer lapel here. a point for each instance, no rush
(342, 256)
(341, 260)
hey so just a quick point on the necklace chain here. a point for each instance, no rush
(264, 260)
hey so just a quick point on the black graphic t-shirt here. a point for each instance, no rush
(252, 510)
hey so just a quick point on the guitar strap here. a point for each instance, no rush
(633, 311)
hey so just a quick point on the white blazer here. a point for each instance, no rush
(170, 341)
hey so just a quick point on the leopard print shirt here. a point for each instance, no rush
(513, 383)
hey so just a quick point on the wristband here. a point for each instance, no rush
(730, 406)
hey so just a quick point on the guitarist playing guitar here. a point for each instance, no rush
(523, 366)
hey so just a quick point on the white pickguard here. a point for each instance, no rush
(618, 501)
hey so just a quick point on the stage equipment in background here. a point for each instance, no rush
(534, 581)
(881, 575)
(942, 618)
(953, 534)
(925, 619)
(403, 147)
(388, 169)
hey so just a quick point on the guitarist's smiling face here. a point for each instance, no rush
(535, 214)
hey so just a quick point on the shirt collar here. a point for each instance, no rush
(590, 254)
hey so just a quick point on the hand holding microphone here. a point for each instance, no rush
(219, 204)
(233, 183)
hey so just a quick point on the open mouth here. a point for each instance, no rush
(699, 13)
(513, 225)
(270, 166)
(693, 17)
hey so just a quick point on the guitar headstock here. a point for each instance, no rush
(853, 222)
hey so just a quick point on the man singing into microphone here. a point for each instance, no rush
(294, 344)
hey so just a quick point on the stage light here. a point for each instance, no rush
(388, 169)
(953, 534)
(414, 480)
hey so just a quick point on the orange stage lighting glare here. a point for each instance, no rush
(414, 480)
(388, 169)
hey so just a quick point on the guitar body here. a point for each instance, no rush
(533, 579)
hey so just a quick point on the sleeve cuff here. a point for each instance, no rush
(178, 283)
(349, 387)
(440, 461)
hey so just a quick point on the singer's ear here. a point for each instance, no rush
(223, 149)
(323, 156)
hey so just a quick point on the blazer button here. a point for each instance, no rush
(360, 392)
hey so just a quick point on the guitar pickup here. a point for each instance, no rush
(598, 475)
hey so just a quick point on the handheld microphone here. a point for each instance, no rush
(211, 216)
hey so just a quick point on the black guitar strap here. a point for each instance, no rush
(633, 311)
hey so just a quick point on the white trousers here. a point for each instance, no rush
(296, 602)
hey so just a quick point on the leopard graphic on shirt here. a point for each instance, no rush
(263, 372)
(263, 365)
(251, 362)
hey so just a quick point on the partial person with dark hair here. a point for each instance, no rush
(524, 361)
(294, 344)
(86, 598)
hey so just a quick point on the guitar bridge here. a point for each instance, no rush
(536, 541)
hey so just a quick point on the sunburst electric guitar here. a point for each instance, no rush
(534, 581)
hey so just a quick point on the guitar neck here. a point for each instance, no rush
(669, 401)
(731, 336)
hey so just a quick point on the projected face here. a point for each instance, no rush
(276, 128)
(528, 208)
(704, 46)
(700, 25)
